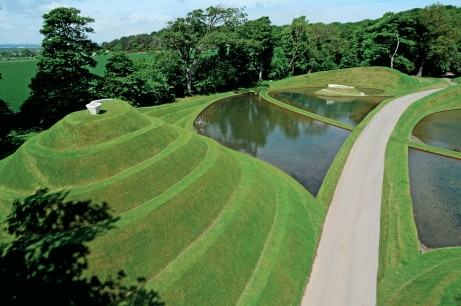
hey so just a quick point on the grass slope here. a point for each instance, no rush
(407, 277)
(203, 224)
(391, 81)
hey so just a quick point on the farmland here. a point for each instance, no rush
(17, 75)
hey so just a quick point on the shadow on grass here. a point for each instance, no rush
(43, 255)
(10, 143)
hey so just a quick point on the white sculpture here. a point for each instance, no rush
(94, 107)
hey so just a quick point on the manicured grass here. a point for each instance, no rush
(203, 224)
(17, 75)
(407, 277)
(391, 81)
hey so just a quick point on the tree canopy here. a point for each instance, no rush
(63, 82)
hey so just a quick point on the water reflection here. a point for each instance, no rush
(350, 110)
(441, 130)
(435, 183)
(302, 147)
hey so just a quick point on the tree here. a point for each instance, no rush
(390, 41)
(43, 255)
(190, 36)
(260, 39)
(63, 82)
(325, 47)
(441, 39)
(299, 41)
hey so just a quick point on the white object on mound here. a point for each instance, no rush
(94, 107)
(339, 86)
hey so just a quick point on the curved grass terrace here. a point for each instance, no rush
(208, 225)
(194, 238)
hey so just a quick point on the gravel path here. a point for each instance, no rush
(346, 265)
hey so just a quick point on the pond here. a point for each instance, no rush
(302, 147)
(441, 130)
(350, 110)
(435, 184)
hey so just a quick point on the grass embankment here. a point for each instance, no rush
(203, 224)
(14, 87)
(391, 82)
(407, 277)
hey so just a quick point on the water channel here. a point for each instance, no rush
(435, 180)
(441, 130)
(350, 110)
(435, 184)
(302, 147)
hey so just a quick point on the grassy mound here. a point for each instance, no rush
(202, 223)
(407, 277)
(391, 81)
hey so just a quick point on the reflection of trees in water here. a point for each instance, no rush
(348, 110)
(441, 130)
(245, 122)
(241, 123)
(301, 146)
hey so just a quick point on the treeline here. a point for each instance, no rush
(218, 49)
(423, 42)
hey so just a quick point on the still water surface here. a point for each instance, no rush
(350, 110)
(302, 147)
(435, 184)
(441, 130)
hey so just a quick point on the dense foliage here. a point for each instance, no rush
(63, 82)
(217, 49)
(424, 42)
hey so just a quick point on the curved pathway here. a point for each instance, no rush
(346, 265)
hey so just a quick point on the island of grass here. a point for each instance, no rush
(336, 90)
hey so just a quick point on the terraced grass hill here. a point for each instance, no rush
(203, 224)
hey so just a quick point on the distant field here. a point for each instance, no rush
(17, 75)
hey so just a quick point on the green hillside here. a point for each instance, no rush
(202, 223)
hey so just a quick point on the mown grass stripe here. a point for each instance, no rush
(182, 140)
(430, 273)
(261, 274)
(35, 145)
(192, 253)
(207, 162)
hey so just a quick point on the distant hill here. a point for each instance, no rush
(19, 46)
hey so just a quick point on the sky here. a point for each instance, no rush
(21, 20)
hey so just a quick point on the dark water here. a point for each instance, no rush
(435, 183)
(350, 110)
(441, 130)
(302, 147)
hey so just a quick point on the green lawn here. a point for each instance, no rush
(17, 75)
